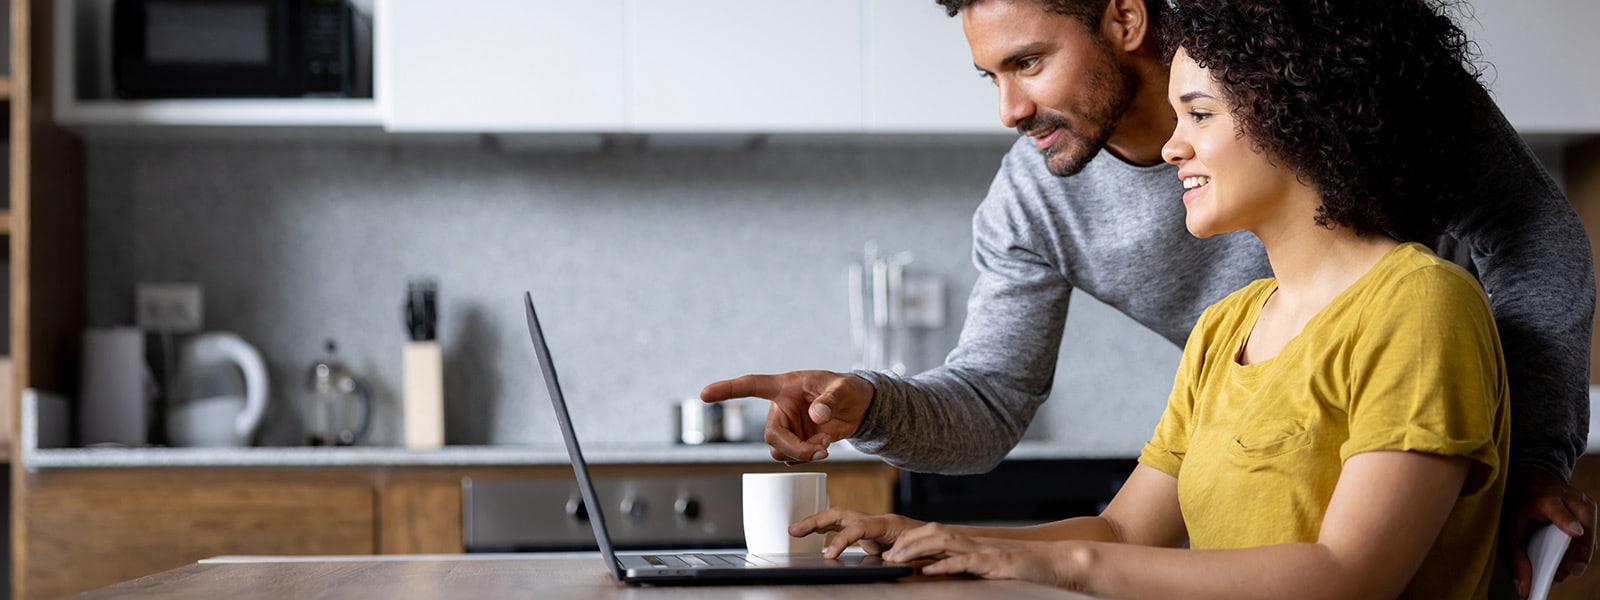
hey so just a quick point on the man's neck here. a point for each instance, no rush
(1149, 121)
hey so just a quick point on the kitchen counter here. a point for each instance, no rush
(556, 577)
(34, 458)
(546, 454)
(449, 456)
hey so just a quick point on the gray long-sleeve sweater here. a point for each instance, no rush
(1116, 231)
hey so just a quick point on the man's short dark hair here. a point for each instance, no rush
(1087, 12)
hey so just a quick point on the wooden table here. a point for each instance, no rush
(551, 577)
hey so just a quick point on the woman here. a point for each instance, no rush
(1340, 429)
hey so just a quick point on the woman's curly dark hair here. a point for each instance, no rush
(1366, 100)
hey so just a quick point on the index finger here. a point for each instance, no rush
(828, 520)
(748, 386)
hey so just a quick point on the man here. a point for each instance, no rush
(1083, 200)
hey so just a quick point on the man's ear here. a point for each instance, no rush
(1125, 24)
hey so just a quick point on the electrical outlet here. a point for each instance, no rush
(171, 307)
(923, 302)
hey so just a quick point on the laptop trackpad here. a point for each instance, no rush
(813, 560)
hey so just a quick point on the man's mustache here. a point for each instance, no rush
(1039, 123)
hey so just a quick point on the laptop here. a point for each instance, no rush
(696, 568)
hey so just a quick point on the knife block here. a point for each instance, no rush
(422, 406)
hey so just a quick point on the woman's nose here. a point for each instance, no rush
(1176, 150)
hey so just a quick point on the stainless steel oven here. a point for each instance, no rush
(642, 513)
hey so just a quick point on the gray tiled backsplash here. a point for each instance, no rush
(656, 272)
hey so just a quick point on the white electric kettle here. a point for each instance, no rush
(219, 394)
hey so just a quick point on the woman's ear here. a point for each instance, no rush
(1125, 24)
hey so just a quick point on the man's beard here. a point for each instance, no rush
(1118, 84)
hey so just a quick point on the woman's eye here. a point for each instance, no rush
(1199, 116)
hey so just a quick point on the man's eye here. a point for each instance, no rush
(1027, 63)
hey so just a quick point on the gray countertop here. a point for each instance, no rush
(34, 458)
(66, 458)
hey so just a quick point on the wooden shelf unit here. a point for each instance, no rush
(46, 252)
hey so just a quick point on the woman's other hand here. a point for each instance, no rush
(989, 558)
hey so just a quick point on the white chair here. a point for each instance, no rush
(1545, 549)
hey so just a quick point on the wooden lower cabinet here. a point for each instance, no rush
(420, 517)
(83, 529)
(91, 529)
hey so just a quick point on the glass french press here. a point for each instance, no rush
(339, 409)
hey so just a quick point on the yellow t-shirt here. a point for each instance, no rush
(1406, 358)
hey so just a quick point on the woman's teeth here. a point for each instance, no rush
(1190, 183)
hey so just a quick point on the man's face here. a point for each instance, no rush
(1059, 83)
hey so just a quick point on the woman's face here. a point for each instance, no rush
(1228, 185)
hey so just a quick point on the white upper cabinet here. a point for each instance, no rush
(501, 65)
(726, 66)
(1540, 57)
(919, 73)
(745, 65)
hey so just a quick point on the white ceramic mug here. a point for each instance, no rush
(773, 502)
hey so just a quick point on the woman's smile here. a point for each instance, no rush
(1193, 186)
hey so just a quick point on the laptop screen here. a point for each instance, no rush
(585, 485)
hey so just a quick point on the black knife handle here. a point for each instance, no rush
(421, 310)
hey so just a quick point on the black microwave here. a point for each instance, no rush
(231, 48)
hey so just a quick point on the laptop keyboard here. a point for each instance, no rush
(716, 560)
(681, 561)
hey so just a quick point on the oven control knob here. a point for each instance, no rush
(687, 507)
(576, 509)
(635, 508)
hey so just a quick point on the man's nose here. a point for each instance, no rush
(1015, 106)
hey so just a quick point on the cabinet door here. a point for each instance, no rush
(1540, 62)
(95, 529)
(919, 73)
(500, 65)
(746, 65)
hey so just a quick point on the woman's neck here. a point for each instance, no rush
(1313, 264)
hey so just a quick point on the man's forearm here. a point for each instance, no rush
(942, 422)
